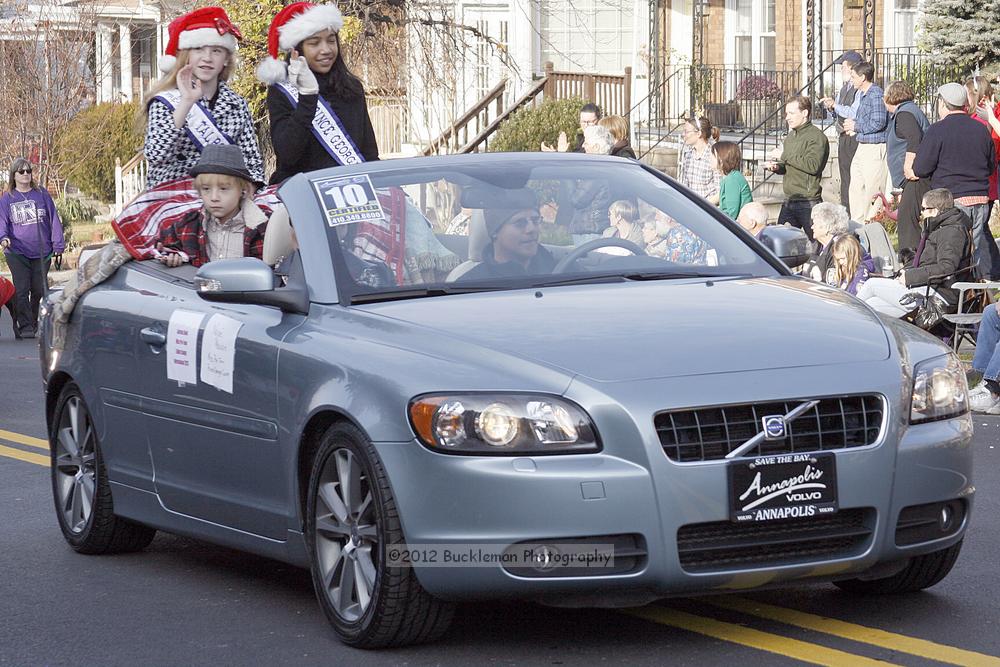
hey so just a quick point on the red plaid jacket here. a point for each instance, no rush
(189, 236)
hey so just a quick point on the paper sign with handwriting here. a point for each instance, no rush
(218, 352)
(182, 346)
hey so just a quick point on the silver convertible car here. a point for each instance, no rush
(453, 386)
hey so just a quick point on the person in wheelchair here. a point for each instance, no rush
(943, 256)
(513, 249)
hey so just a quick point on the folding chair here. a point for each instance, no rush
(970, 311)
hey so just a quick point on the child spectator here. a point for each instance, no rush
(228, 225)
(734, 191)
(850, 266)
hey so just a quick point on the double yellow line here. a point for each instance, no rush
(801, 650)
(20, 454)
(725, 631)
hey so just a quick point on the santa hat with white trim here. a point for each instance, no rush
(294, 24)
(208, 26)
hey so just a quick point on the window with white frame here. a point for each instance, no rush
(586, 35)
(754, 33)
(905, 22)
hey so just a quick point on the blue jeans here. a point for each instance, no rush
(987, 253)
(987, 357)
(798, 213)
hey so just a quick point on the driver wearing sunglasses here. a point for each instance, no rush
(514, 248)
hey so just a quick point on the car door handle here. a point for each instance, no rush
(153, 337)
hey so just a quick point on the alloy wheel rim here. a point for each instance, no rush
(346, 535)
(75, 465)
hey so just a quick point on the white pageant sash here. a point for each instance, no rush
(199, 124)
(328, 129)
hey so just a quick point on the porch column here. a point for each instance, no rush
(102, 66)
(125, 52)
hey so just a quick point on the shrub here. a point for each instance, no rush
(73, 211)
(528, 127)
(758, 87)
(86, 149)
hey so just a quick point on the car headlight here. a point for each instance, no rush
(940, 390)
(513, 424)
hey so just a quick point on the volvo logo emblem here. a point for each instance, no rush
(774, 427)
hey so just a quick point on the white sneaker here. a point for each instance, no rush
(985, 402)
(979, 389)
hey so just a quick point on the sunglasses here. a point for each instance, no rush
(24, 171)
(522, 222)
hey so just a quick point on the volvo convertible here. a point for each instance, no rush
(450, 383)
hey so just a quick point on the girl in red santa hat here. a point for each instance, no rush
(317, 106)
(192, 106)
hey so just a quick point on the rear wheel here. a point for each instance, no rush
(921, 572)
(80, 486)
(351, 517)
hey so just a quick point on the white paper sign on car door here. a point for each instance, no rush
(218, 352)
(182, 346)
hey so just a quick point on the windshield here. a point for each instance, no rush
(508, 223)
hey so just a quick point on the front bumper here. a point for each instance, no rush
(446, 499)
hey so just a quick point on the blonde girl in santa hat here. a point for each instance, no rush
(317, 107)
(192, 105)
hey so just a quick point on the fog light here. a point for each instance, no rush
(946, 518)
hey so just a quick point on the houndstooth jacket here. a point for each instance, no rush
(171, 154)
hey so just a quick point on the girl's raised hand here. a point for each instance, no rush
(188, 84)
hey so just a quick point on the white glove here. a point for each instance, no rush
(300, 76)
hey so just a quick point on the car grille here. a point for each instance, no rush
(722, 545)
(708, 434)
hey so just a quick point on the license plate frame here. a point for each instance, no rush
(782, 486)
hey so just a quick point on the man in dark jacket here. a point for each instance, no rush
(957, 154)
(514, 250)
(943, 255)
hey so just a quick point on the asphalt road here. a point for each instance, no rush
(184, 602)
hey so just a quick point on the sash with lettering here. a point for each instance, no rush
(328, 129)
(200, 124)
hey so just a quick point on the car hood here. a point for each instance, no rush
(632, 331)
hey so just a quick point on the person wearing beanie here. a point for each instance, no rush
(514, 249)
(957, 154)
(192, 106)
(317, 107)
(228, 225)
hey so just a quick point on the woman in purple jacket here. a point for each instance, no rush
(30, 235)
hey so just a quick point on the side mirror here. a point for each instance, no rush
(790, 244)
(248, 280)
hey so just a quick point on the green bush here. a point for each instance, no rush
(73, 211)
(528, 127)
(86, 149)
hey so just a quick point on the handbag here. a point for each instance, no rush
(929, 310)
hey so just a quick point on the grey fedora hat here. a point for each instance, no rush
(222, 159)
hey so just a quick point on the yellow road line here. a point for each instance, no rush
(764, 641)
(24, 439)
(857, 633)
(30, 457)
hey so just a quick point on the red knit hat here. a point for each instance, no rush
(293, 24)
(208, 26)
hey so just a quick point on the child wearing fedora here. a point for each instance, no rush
(228, 225)
(192, 106)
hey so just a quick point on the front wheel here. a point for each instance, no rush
(80, 485)
(920, 573)
(351, 517)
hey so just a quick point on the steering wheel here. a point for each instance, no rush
(590, 246)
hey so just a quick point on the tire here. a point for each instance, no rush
(921, 572)
(348, 536)
(80, 487)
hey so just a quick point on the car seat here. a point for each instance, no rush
(479, 238)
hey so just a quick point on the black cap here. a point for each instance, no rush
(222, 159)
(852, 57)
